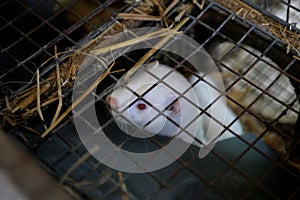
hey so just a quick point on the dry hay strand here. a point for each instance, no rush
(30, 101)
(291, 38)
(165, 38)
(26, 103)
(123, 187)
(51, 89)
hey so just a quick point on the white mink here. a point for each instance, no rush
(175, 102)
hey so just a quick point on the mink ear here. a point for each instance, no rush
(153, 65)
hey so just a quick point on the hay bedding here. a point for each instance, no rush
(31, 101)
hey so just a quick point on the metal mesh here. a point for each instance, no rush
(261, 81)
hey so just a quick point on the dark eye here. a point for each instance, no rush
(141, 106)
(171, 108)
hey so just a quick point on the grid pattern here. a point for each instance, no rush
(259, 77)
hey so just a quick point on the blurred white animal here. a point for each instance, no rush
(159, 100)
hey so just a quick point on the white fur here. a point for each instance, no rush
(183, 112)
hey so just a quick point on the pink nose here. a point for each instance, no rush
(112, 103)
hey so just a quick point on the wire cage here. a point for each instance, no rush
(254, 44)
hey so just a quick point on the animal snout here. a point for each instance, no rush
(112, 103)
